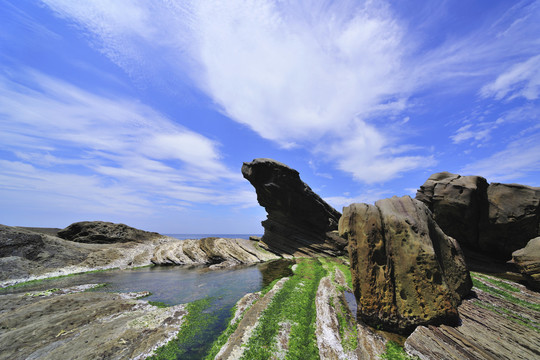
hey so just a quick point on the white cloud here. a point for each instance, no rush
(106, 151)
(301, 73)
(520, 158)
(521, 80)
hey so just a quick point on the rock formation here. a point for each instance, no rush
(493, 326)
(101, 232)
(406, 271)
(527, 261)
(299, 222)
(210, 251)
(495, 218)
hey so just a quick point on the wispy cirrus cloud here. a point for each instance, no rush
(319, 75)
(101, 150)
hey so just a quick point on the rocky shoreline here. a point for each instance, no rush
(419, 279)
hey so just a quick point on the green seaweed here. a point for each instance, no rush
(503, 294)
(294, 303)
(396, 352)
(159, 304)
(192, 335)
(512, 316)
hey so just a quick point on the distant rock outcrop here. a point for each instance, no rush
(527, 261)
(406, 272)
(496, 218)
(299, 222)
(101, 232)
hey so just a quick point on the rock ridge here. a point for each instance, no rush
(299, 222)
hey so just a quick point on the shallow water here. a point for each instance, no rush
(178, 285)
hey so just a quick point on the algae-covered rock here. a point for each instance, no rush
(406, 271)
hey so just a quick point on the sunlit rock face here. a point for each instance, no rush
(496, 219)
(299, 222)
(527, 260)
(406, 271)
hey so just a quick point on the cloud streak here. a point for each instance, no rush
(106, 151)
(307, 73)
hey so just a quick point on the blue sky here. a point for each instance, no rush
(143, 112)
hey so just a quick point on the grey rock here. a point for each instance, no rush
(299, 222)
(101, 232)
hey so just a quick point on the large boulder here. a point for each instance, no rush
(406, 272)
(527, 261)
(101, 232)
(514, 218)
(299, 222)
(496, 219)
(458, 203)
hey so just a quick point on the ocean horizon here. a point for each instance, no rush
(201, 236)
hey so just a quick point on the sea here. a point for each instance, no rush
(201, 236)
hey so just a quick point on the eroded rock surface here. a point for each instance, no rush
(211, 251)
(492, 327)
(496, 219)
(27, 255)
(299, 222)
(527, 261)
(83, 325)
(406, 271)
(101, 232)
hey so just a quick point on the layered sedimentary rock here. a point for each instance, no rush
(527, 261)
(27, 255)
(101, 232)
(299, 222)
(210, 251)
(406, 271)
(492, 326)
(496, 218)
(73, 324)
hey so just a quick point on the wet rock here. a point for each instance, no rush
(101, 232)
(406, 271)
(496, 219)
(299, 222)
(217, 252)
(527, 261)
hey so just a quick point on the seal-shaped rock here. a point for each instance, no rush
(299, 222)
(406, 272)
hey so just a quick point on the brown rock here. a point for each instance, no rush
(496, 219)
(458, 204)
(405, 270)
(492, 327)
(299, 222)
(514, 218)
(527, 261)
